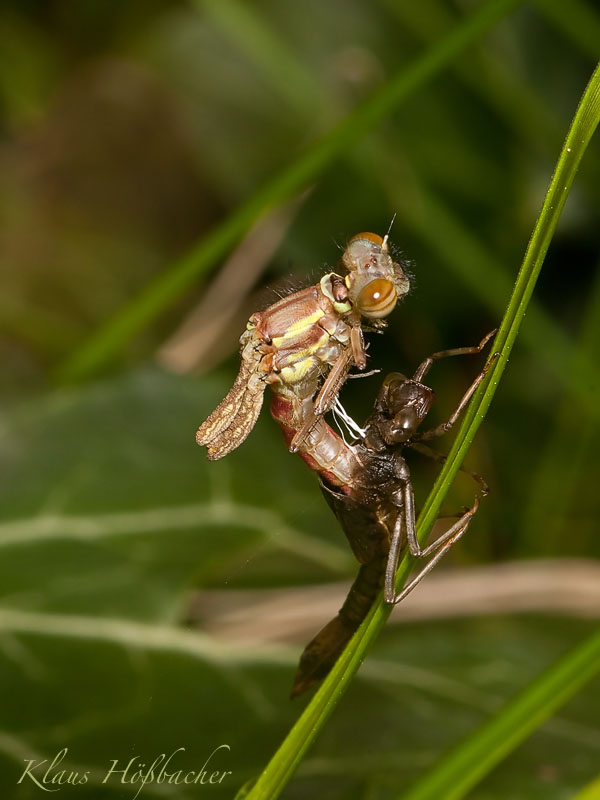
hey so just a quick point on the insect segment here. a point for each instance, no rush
(310, 336)
(375, 506)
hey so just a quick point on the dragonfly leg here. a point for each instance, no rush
(325, 398)
(405, 525)
(357, 345)
(391, 567)
(444, 427)
(333, 382)
(425, 450)
(426, 365)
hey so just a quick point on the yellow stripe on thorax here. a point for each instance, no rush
(296, 371)
(309, 351)
(298, 327)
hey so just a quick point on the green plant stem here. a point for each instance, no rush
(168, 287)
(282, 765)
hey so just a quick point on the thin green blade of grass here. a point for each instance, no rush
(576, 19)
(474, 758)
(161, 293)
(281, 767)
(494, 79)
(589, 792)
(285, 73)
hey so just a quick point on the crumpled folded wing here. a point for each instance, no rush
(235, 416)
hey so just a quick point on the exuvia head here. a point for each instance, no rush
(375, 282)
(402, 405)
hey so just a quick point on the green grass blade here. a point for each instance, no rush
(168, 287)
(461, 769)
(494, 79)
(253, 36)
(589, 792)
(284, 762)
(576, 19)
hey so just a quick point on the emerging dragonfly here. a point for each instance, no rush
(311, 335)
(368, 487)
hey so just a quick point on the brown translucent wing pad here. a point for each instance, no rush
(320, 654)
(235, 416)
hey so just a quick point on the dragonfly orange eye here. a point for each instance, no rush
(369, 237)
(377, 299)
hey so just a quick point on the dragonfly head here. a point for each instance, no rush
(375, 281)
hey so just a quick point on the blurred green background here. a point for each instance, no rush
(129, 132)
